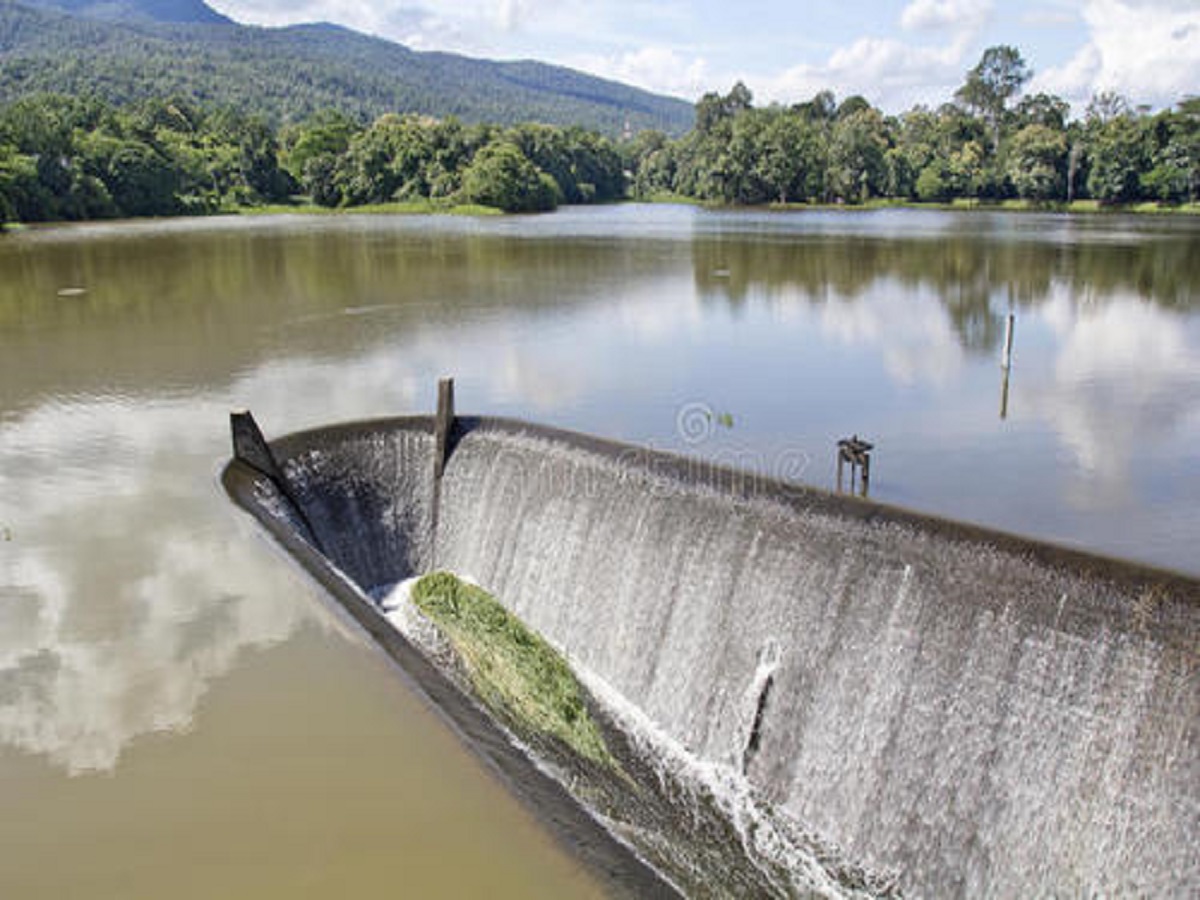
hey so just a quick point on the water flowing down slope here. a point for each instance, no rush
(971, 711)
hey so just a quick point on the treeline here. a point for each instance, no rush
(987, 144)
(67, 159)
(64, 158)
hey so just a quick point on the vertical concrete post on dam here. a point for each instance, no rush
(443, 423)
(979, 713)
(251, 447)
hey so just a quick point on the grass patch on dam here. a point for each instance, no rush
(515, 672)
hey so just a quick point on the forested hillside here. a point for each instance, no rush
(286, 74)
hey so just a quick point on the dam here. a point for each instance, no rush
(941, 709)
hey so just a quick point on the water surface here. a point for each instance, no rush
(178, 706)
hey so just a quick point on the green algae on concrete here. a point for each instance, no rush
(515, 672)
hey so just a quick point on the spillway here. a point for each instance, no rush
(955, 710)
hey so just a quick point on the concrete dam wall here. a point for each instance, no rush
(973, 712)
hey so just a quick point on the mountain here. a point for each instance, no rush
(285, 74)
(135, 10)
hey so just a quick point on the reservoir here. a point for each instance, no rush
(178, 705)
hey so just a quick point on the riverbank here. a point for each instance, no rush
(1074, 207)
(435, 207)
(407, 207)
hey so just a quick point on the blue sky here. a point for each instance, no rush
(894, 52)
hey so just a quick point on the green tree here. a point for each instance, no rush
(650, 156)
(996, 79)
(933, 183)
(22, 197)
(1037, 163)
(1174, 175)
(782, 164)
(327, 133)
(140, 181)
(1117, 148)
(857, 165)
(713, 109)
(500, 176)
(821, 108)
(1042, 109)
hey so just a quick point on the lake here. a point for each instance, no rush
(182, 712)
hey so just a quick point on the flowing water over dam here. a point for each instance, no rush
(971, 712)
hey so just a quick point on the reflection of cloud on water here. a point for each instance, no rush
(1126, 380)
(124, 592)
(913, 335)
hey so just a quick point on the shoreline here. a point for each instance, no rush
(437, 208)
(1075, 207)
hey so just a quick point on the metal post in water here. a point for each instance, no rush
(1006, 363)
(1006, 359)
(857, 452)
(442, 425)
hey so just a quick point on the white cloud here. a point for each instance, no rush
(890, 73)
(659, 69)
(422, 30)
(512, 14)
(1148, 50)
(894, 74)
(922, 15)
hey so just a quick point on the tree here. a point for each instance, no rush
(1117, 149)
(326, 133)
(933, 184)
(857, 167)
(1037, 163)
(821, 108)
(998, 77)
(712, 109)
(1106, 106)
(140, 181)
(500, 176)
(1175, 154)
(787, 154)
(1042, 109)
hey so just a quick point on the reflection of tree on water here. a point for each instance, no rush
(975, 278)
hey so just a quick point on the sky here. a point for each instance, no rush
(896, 53)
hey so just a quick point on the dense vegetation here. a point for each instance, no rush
(987, 144)
(63, 158)
(80, 158)
(285, 75)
